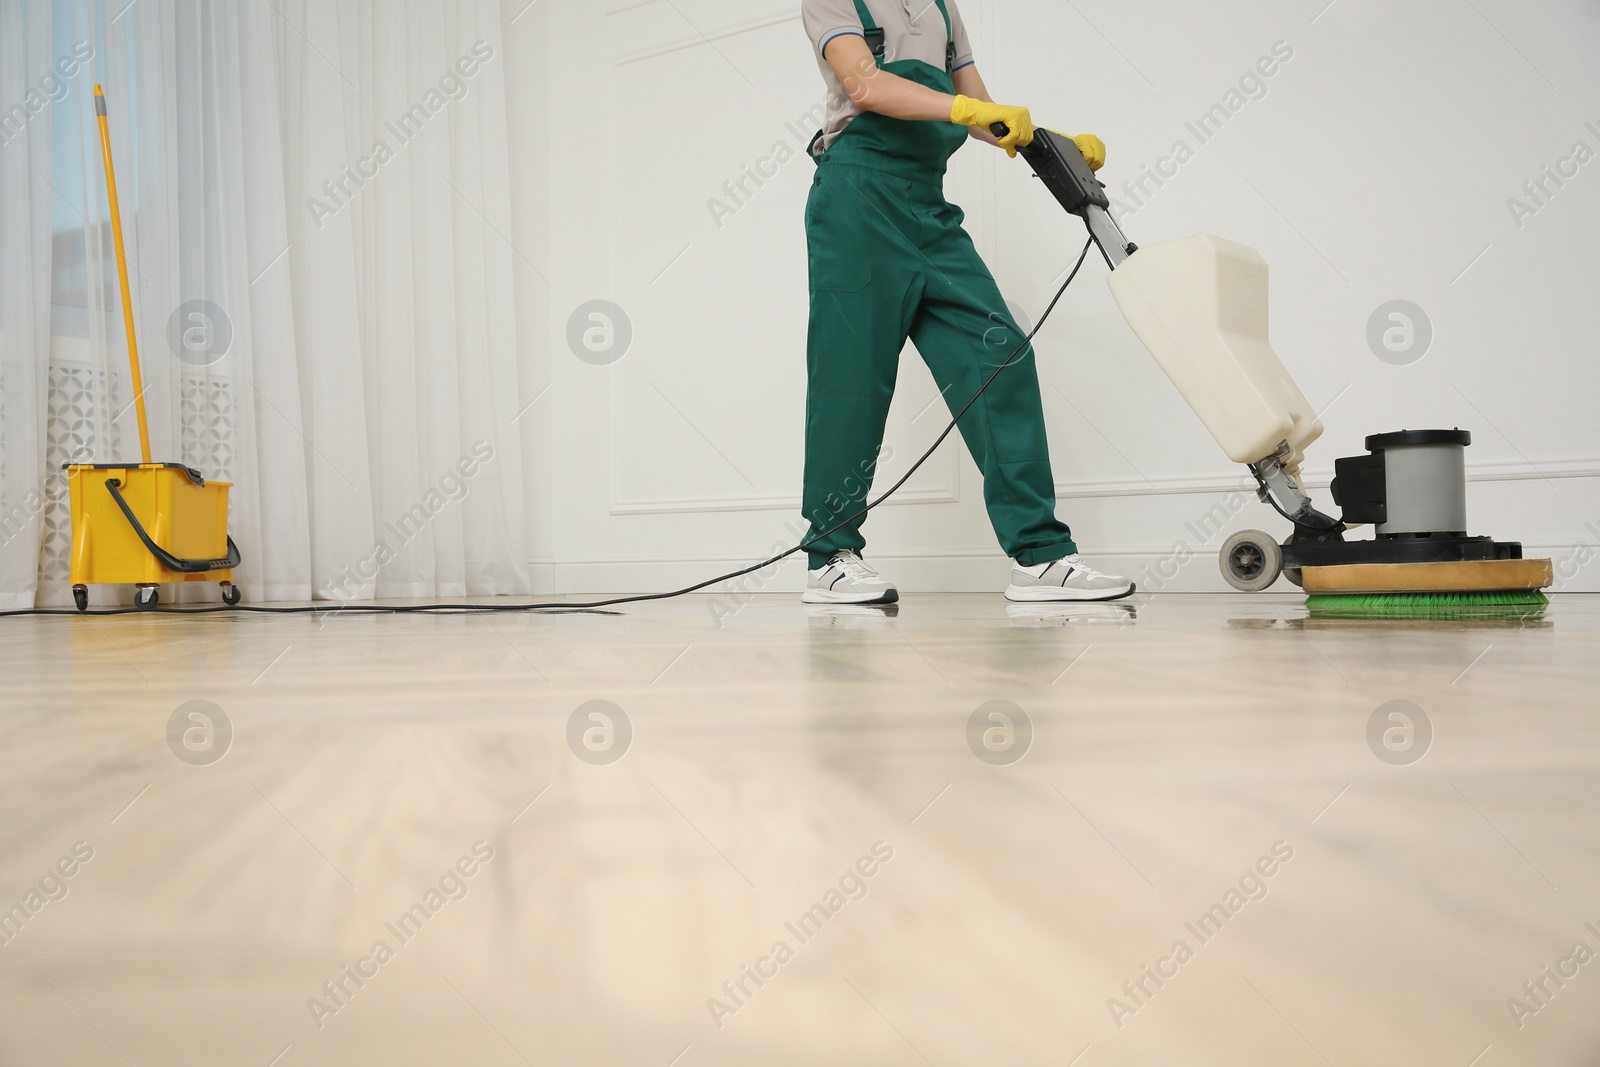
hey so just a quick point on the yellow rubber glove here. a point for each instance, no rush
(1093, 149)
(980, 113)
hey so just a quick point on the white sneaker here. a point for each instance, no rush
(1068, 578)
(847, 580)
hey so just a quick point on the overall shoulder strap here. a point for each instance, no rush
(870, 30)
(950, 38)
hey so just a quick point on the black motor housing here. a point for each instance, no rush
(1411, 488)
(1411, 483)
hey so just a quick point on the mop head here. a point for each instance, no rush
(1487, 604)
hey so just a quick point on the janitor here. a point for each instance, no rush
(889, 260)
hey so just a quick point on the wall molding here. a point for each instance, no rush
(1192, 485)
(1528, 471)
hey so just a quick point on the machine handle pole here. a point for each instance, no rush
(122, 274)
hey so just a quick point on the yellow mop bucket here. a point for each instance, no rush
(141, 524)
(144, 523)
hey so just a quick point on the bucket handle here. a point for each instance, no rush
(167, 559)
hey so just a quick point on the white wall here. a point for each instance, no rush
(1377, 166)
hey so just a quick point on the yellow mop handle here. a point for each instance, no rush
(122, 273)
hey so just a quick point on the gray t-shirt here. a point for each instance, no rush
(912, 29)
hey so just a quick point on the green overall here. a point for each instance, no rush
(889, 260)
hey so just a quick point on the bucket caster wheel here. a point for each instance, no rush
(1251, 561)
(231, 594)
(146, 597)
(80, 597)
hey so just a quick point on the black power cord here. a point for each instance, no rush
(594, 606)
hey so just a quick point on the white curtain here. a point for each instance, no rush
(314, 201)
(25, 237)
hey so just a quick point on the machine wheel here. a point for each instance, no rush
(80, 597)
(146, 597)
(231, 594)
(1251, 561)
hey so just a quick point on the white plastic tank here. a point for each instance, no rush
(1199, 304)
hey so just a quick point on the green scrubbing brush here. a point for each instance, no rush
(1505, 603)
(1460, 589)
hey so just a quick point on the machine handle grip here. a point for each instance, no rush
(999, 129)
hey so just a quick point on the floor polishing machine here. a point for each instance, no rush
(1199, 305)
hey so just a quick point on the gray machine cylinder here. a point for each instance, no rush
(1425, 481)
